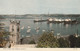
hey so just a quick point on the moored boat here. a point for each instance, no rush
(54, 20)
(22, 27)
(69, 21)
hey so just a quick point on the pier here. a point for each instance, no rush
(40, 20)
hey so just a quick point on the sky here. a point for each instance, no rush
(39, 6)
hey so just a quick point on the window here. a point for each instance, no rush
(12, 28)
(18, 29)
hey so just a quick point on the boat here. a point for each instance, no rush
(29, 27)
(37, 28)
(43, 30)
(55, 20)
(67, 20)
(70, 21)
(29, 30)
(39, 20)
(58, 20)
(50, 19)
(22, 27)
(28, 36)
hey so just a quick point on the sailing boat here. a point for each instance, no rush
(50, 20)
(29, 29)
(43, 30)
(39, 20)
(22, 27)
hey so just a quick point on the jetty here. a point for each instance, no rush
(39, 20)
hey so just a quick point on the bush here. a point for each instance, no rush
(72, 40)
(63, 42)
(47, 40)
(32, 42)
(78, 42)
(3, 35)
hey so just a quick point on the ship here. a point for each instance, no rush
(39, 20)
(55, 20)
(70, 21)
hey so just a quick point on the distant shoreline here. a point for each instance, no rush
(38, 15)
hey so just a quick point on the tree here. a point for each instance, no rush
(32, 42)
(78, 42)
(47, 40)
(3, 36)
(72, 40)
(63, 42)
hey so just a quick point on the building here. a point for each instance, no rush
(14, 30)
(2, 26)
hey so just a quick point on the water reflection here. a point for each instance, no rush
(67, 25)
(50, 25)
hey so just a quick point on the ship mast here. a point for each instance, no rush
(48, 13)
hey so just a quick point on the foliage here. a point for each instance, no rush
(32, 42)
(78, 42)
(63, 42)
(72, 40)
(47, 40)
(3, 36)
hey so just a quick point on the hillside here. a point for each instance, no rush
(30, 16)
(1, 17)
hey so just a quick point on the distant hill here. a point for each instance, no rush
(1, 17)
(29, 16)
(60, 15)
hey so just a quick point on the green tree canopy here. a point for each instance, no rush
(78, 42)
(63, 42)
(72, 40)
(3, 37)
(47, 40)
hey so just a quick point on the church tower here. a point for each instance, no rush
(14, 30)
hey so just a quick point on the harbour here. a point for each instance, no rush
(28, 31)
(39, 24)
(29, 27)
